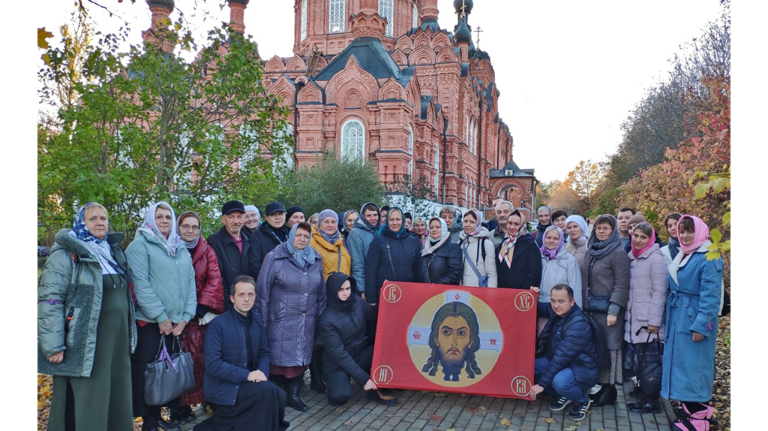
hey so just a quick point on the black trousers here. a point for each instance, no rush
(147, 342)
(337, 380)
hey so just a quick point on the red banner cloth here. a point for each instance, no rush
(469, 340)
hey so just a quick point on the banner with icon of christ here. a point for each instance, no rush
(444, 338)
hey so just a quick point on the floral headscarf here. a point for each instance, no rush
(149, 226)
(509, 242)
(552, 254)
(99, 247)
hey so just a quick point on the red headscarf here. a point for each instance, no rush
(651, 242)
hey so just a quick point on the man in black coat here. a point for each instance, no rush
(569, 367)
(271, 233)
(234, 250)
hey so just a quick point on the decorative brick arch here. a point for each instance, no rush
(283, 87)
(447, 55)
(391, 89)
(296, 64)
(422, 39)
(400, 58)
(310, 93)
(422, 55)
(275, 64)
(404, 44)
(440, 41)
(352, 76)
(515, 189)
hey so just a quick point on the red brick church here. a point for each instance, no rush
(379, 81)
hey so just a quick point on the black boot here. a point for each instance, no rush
(606, 396)
(645, 404)
(294, 389)
(316, 380)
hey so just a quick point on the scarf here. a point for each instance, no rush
(599, 248)
(674, 247)
(193, 244)
(99, 247)
(552, 254)
(463, 235)
(651, 242)
(303, 257)
(431, 245)
(374, 228)
(324, 214)
(509, 242)
(150, 227)
(389, 231)
(700, 234)
(582, 224)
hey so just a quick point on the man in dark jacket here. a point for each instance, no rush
(271, 233)
(234, 250)
(236, 368)
(346, 354)
(569, 368)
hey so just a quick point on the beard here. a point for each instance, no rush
(452, 366)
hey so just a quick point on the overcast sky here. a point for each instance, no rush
(569, 72)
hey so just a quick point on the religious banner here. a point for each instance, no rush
(444, 338)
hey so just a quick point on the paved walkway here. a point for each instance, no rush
(421, 410)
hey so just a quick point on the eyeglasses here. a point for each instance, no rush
(188, 227)
(603, 228)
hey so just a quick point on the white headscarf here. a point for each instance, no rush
(150, 227)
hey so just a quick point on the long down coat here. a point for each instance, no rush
(610, 276)
(290, 300)
(647, 295)
(695, 290)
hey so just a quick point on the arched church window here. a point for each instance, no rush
(437, 171)
(353, 141)
(337, 13)
(474, 137)
(283, 162)
(410, 152)
(385, 10)
(304, 19)
(415, 17)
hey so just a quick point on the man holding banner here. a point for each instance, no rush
(569, 367)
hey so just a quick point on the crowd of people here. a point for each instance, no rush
(270, 296)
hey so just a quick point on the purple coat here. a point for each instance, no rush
(290, 300)
(647, 295)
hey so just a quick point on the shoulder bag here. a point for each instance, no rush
(168, 376)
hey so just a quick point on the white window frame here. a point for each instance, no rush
(353, 146)
(386, 10)
(437, 171)
(337, 12)
(284, 163)
(304, 19)
(410, 152)
(415, 17)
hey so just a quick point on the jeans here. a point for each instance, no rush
(563, 384)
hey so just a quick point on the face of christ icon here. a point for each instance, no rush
(454, 338)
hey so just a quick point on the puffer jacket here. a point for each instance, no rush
(610, 276)
(358, 243)
(336, 258)
(570, 346)
(563, 269)
(484, 264)
(405, 252)
(210, 289)
(647, 295)
(72, 281)
(443, 266)
(290, 300)
(164, 284)
(226, 355)
(343, 332)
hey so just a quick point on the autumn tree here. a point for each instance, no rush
(563, 197)
(149, 126)
(584, 180)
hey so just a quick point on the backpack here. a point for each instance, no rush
(603, 357)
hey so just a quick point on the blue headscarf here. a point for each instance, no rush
(400, 232)
(375, 227)
(304, 257)
(79, 229)
(99, 247)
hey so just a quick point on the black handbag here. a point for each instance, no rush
(649, 360)
(168, 376)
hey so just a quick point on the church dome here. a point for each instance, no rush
(468, 4)
(162, 3)
(462, 32)
(242, 2)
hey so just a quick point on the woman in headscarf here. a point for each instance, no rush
(420, 229)
(290, 295)
(210, 303)
(328, 242)
(346, 354)
(251, 220)
(577, 230)
(673, 246)
(166, 298)
(86, 327)
(440, 261)
(557, 267)
(695, 295)
(518, 259)
(350, 217)
(605, 290)
(477, 252)
(452, 217)
(645, 308)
